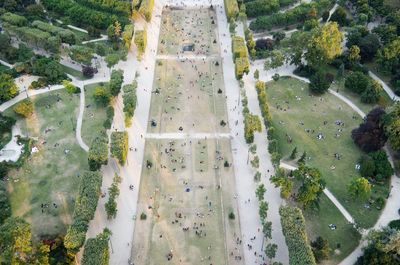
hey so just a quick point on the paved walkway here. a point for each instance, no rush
(387, 89)
(179, 136)
(103, 38)
(6, 64)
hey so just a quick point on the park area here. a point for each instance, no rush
(188, 30)
(43, 190)
(186, 196)
(188, 96)
(321, 126)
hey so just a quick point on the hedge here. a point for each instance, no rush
(65, 35)
(231, 9)
(98, 152)
(265, 7)
(119, 146)
(291, 16)
(242, 66)
(294, 230)
(239, 48)
(14, 19)
(96, 250)
(141, 41)
(85, 207)
(130, 99)
(146, 9)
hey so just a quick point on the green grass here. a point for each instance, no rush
(73, 72)
(313, 111)
(317, 224)
(93, 116)
(49, 176)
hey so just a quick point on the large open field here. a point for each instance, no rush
(188, 96)
(180, 28)
(303, 117)
(187, 194)
(51, 175)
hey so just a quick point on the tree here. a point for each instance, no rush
(302, 159)
(24, 108)
(383, 168)
(117, 78)
(98, 152)
(270, 251)
(119, 146)
(102, 95)
(354, 55)
(81, 54)
(277, 60)
(263, 210)
(255, 162)
(16, 244)
(88, 71)
(278, 36)
(260, 191)
(267, 228)
(357, 82)
(312, 185)
(367, 166)
(340, 16)
(392, 127)
(256, 74)
(370, 135)
(369, 45)
(96, 250)
(372, 93)
(111, 204)
(252, 123)
(359, 188)
(324, 45)
(389, 56)
(321, 249)
(319, 83)
(8, 88)
(5, 205)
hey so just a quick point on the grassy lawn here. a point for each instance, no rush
(93, 116)
(73, 72)
(302, 117)
(51, 175)
(345, 235)
(180, 190)
(356, 99)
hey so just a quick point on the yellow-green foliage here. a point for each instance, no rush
(231, 9)
(239, 48)
(241, 66)
(262, 100)
(141, 41)
(146, 9)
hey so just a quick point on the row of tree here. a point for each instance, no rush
(265, 7)
(130, 101)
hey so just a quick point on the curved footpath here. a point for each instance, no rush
(390, 212)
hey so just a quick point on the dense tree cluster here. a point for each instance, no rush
(98, 152)
(231, 9)
(141, 41)
(362, 84)
(252, 124)
(146, 9)
(82, 14)
(117, 78)
(240, 57)
(320, 249)
(376, 166)
(292, 16)
(294, 230)
(5, 204)
(311, 185)
(85, 207)
(265, 7)
(119, 146)
(113, 191)
(130, 100)
(392, 126)
(96, 249)
(8, 88)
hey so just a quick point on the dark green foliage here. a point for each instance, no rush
(5, 206)
(117, 78)
(383, 169)
(49, 68)
(98, 152)
(395, 224)
(113, 191)
(321, 249)
(88, 13)
(312, 185)
(130, 99)
(319, 83)
(231, 216)
(340, 16)
(357, 82)
(143, 216)
(96, 249)
(294, 230)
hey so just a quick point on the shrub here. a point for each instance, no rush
(24, 108)
(231, 216)
(143, 216)
(146, 9)
(242, 66)
(96, 249)
(111, 204)
(357, 82)
(141, 41)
